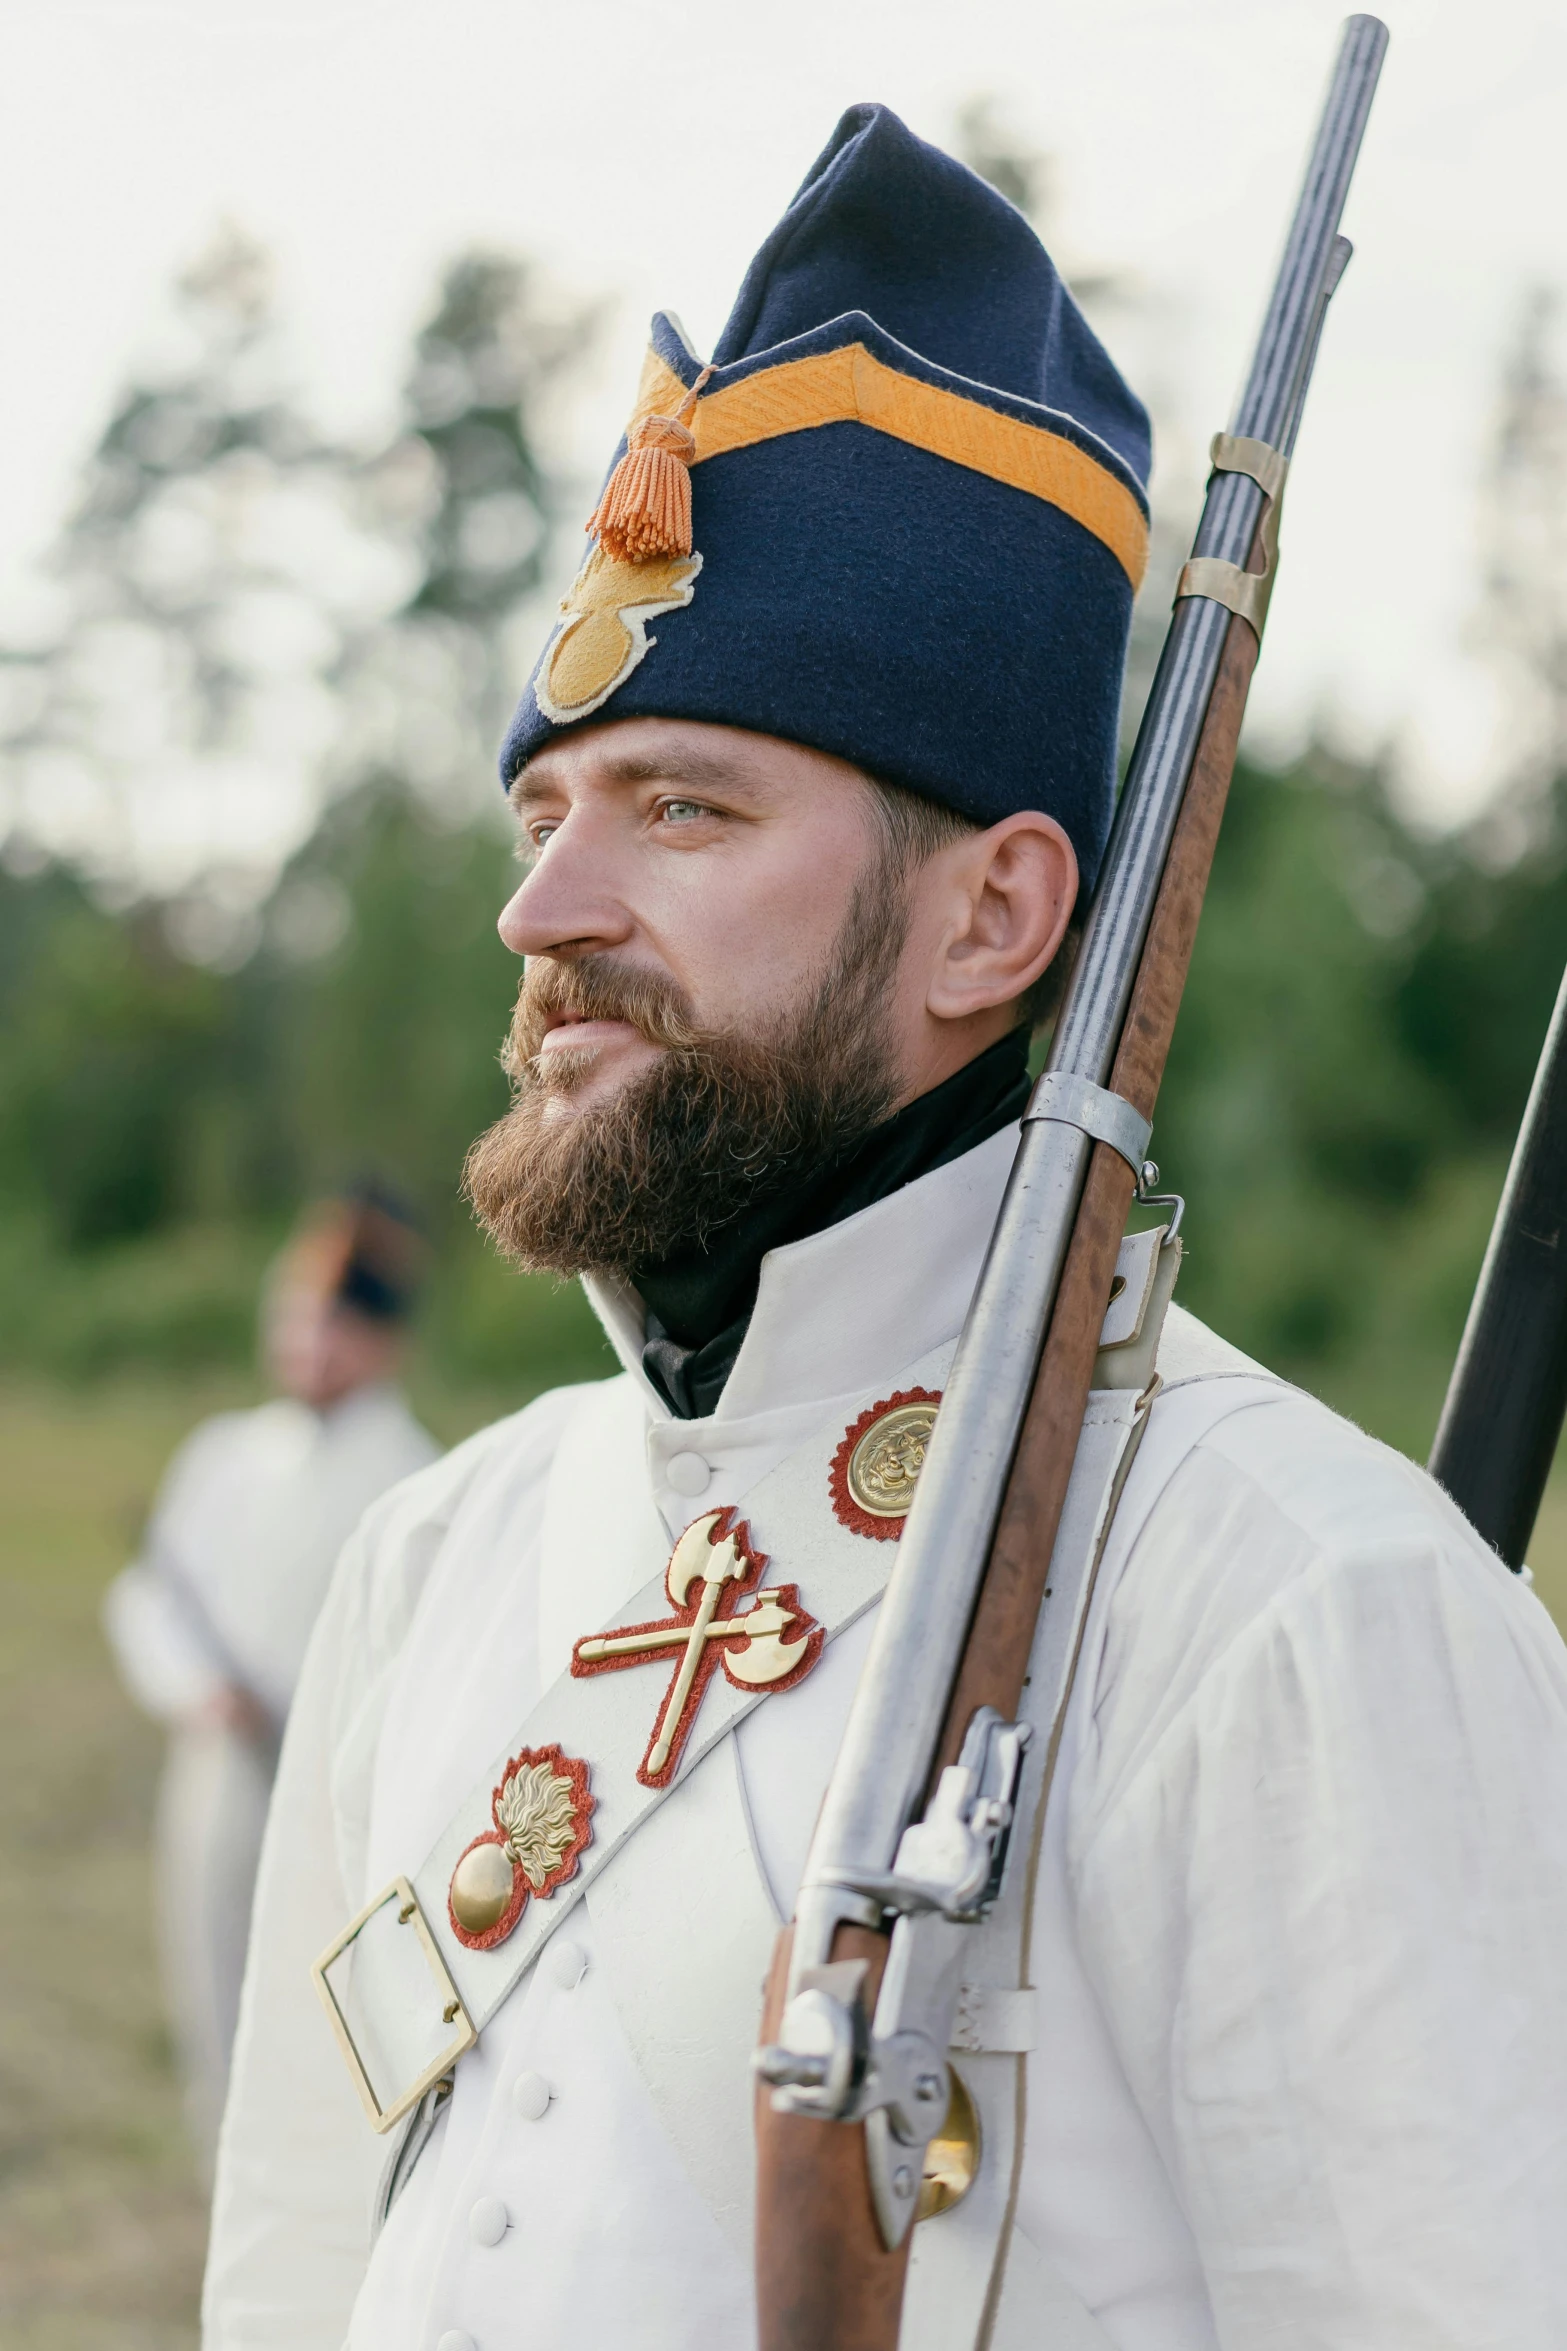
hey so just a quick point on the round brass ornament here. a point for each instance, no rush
(482, 1887)
(952, 2158)
(885, 1465)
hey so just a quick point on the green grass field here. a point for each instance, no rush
(101, 2217)
(101, 2221)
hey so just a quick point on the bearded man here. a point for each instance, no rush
(1285, 2062)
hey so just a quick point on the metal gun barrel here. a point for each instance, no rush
(1503, 1414)
(891, 1741)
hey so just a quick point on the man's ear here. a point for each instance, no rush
(1007, 896)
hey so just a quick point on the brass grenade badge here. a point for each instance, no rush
(543, 1816)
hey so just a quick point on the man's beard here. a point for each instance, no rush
(724, 1118)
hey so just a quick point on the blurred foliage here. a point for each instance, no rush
(481, 364)
(262, 632)
(204, 590)
(1522, 624)
(159, 1123)
(1363, 1016)
(248, 619)
(1360, 1028)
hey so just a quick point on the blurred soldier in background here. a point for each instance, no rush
(209, 1625)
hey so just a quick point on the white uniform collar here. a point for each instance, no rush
(849, 1305)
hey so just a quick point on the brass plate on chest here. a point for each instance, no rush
(952, 2158)
(885, 1466)
(431, 2028)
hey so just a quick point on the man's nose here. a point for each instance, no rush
(569, 899)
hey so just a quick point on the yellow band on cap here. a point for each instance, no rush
(852, 386)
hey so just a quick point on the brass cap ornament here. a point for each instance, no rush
(543, 1818)
(877, 1465)
(641, 564)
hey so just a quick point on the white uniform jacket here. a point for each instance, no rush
(1299, 2063)
(252, 1513)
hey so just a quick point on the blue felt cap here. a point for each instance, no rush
(919, 509)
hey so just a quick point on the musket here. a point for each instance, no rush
(1503, 1416)
(910, 1843)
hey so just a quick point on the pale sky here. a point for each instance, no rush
(642, 152)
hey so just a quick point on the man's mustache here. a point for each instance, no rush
(595, 987)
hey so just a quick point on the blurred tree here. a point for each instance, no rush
(392, 990)
(1292, 1117)
(386, 1045)
(252, 623)
(183, 1046)
(1364, 1010)
(1367, 1004)
(1524, 526)
(1475, 1003)
(464, 492)
(162, 739)
(250, 619)
(107, 1042)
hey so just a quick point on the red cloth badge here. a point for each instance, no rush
(543, 1818)
(770, 1645)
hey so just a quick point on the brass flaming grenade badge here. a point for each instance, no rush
(543, 1818)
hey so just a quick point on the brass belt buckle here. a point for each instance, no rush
(392, 2004)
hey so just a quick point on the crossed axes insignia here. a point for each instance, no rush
(767, 1645)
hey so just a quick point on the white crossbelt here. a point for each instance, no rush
(391, 2004)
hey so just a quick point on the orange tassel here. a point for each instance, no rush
(645, 511)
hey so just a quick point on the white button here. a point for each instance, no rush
(455, 2340)
(531, 2096)
(687, 1473)
(568, 1963)
(487, 2221)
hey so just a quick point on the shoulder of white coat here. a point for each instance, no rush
(1273, 1474)
(1280, 1523)
(220, 1432)
(514, 1446)
(397, 1540)
(1342, 1492)
(381, 1430)
(223, 1440)
(1188, 1351)
(1296, 1461)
